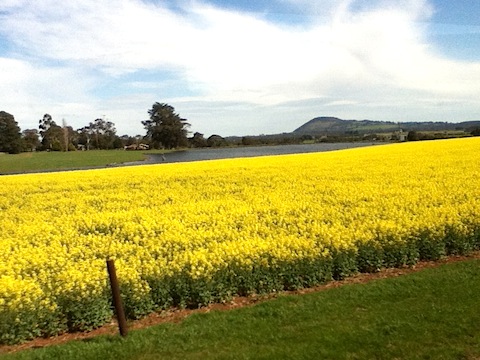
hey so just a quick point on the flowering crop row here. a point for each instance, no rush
(193, 233)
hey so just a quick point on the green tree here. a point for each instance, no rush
(84, 136)
(198, 140)
(51, 133)
(103, 133)
(413, 136)
(216, 141)
(10, 137)
(69, 137)
(31, 139)
(249, 140)
(165, 127)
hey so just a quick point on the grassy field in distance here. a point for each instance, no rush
(54, 160)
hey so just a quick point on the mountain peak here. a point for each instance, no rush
(320, 124)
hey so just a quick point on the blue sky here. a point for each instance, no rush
(240, 67)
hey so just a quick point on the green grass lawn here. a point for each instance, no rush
(432, 314)
(55, 160)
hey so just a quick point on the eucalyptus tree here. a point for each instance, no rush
(51, 133)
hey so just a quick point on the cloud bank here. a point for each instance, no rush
(229, 71)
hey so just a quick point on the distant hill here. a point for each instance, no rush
(336, 126)
(332, 129)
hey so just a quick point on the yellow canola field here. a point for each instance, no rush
(222, 221)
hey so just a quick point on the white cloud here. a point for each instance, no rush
(348, 55)
(29, 91)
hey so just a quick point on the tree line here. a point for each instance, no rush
(164, 129)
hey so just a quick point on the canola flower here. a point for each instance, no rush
(189, 234)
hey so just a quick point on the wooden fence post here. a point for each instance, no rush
(117, 300)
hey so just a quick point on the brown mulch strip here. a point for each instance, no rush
(177, 315)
